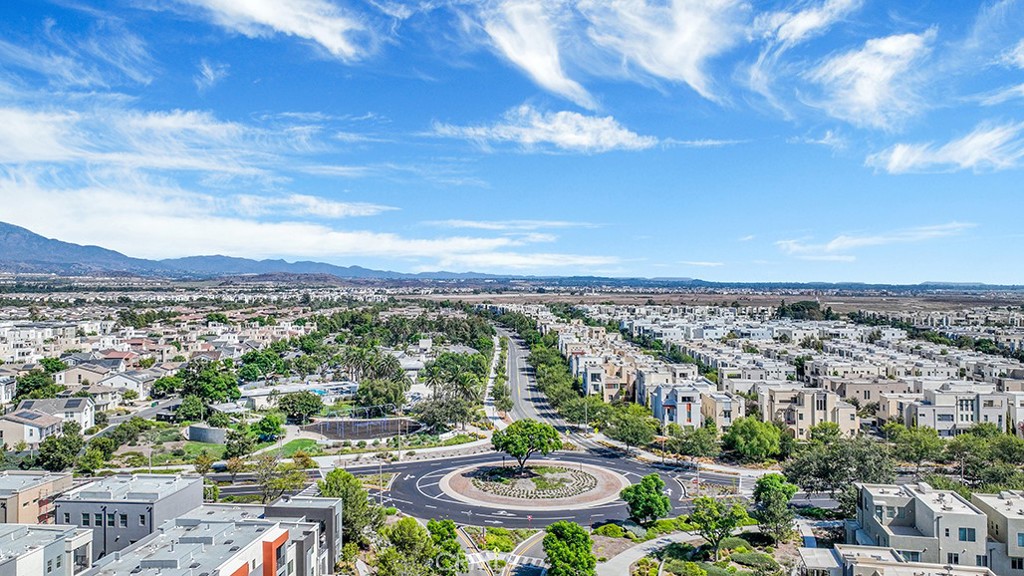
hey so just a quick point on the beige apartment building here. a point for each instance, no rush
(26, 497)
(802, 408)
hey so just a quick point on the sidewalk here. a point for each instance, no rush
(489, 409)
(619, 565)
(639, 453)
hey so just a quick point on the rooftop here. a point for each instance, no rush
(17, 539)
(138, 487)
(14, 481)
(1009, 503)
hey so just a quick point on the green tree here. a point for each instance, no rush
(203, 463)
(443, 412)
(970, 453)
(504, 404)
(105, 445)
(753, 440)
(165, 386)
(833, 469)
(90, 462)
(772, 494)
(35, 385)
(192, 408)
(274, 479)
(716, 520)
(239, 443)
(211, 381)
(234, 466)
(646, 500)
(449, 559)
(130, 395)
(524, 438)
(359, 516)
(300, 406)
(825, 433)
(53, 365)
(700, 442)
(410, 539)
(633, 426)
(381, 393)
(59, 452)
(569, 550)
(916, 445)
(268, 428)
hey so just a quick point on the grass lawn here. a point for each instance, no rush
(193, 449)
(307, 445)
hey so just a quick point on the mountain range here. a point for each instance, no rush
(25, 252)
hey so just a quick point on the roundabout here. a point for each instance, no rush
(544, 484)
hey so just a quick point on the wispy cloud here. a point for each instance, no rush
(746, 238)
(209, 74)
(570, 131)
(830, 139)
(1002, 96)
(785, 29)
(304, 205)
(877, 85)
(1014, 56)
(510, 225)
(839, 248)
(701, 263)
(671, 41)
(524, 31)
(524, 261)
(342, 33)
(986, 148)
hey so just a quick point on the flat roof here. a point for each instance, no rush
(14, 481)
(1009, 503)
(21, 538)
(137, 487)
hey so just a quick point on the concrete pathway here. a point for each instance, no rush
(619, 565)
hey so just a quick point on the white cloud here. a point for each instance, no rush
(1014, 56)
(1003, 95)
(564, 130)
(830, 139)
(510, 225)
(746, 238)
(876, 85)
(786, 29)
(523, 261)
(838, 249)
(209, 74)
(702, 263)
(986, 148)
(525, 32)
(304, 205)
(672, 40)
(320, 21)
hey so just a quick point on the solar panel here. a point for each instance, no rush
(74, 403)
(27, 415)
(28, 403)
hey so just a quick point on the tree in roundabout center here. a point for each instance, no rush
(524, 438)
(647, 501)
(569, 550)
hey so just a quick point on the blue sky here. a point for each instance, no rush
(832, 140)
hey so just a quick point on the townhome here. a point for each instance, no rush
(801, 408)
(28, 426)
(954, 409)
(82, 375)
(35, 550)
(849, 560)
(80, 410)
(124, 509)
(923, 524)
(140, 381)
(26, 496)
(679, 404)
(722, 408)
(1005, 512)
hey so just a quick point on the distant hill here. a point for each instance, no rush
(24, 251)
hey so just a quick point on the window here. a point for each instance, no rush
(67, 517)
(291, 566)
(123, 521)
(890, 512)
(952, 558)
(967, 535)
(60, 557)
(1020, 539)
(142, 519)
(97, 519)
(910, 555)
(1017, 563)
(947, 532)
(85, 519)
(981, 560)
(49, 566)
(110, 519)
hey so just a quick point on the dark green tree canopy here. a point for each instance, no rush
(524, 438)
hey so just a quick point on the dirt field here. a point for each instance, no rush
(839, 303)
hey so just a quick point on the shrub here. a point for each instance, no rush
(734, 542)
(611, 531)
(755, 560)
(682, 568)
(391, 511)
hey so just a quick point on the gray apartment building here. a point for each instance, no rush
(124, 509)
(325, 513)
